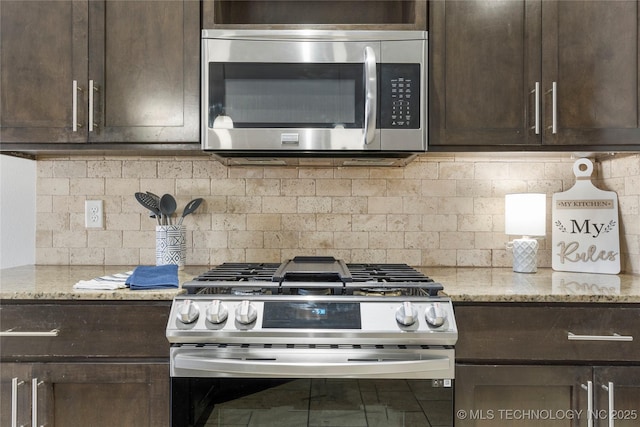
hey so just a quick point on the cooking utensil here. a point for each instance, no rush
(189, 208)
(168, 206)
(149, 203)
(157, 200)
(155, 197)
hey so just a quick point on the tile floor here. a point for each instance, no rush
(340, 403)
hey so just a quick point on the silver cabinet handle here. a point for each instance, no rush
(589, 389)
(610, 391)
(34, 401)
(11, 333)
(536, 92)
(614, 337)
(92, 88)
(554, 108)
(14, 401)
(74, 106)
(371, 95)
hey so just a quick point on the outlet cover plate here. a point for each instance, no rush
(93, 214)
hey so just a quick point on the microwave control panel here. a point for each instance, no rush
(400, 96)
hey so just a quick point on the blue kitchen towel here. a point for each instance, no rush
(154, 277)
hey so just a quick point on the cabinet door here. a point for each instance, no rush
(107, 394)
(485, 61)
(15, 394)
(520, 395)
(144, 61)
(625, 394)
(591, 52)
(43, 48)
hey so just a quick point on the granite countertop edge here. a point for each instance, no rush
(49, 282)
(570, 299)
(461, 284)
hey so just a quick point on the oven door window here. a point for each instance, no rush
(286, 95)
(231, 402)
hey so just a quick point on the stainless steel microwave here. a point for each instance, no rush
(314, 91)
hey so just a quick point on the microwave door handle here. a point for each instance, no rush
(371, 95)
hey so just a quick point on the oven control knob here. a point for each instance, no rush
(188, 312)
(246, 313)
(217, 312)
(406, 314)
(435, 315)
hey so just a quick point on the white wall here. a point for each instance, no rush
(17, 211)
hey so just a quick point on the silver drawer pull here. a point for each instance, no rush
(12, 333)
(614, 337)
(34, 401)
(14, 401)
(610, 392)
(589, 389)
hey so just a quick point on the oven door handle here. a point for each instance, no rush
(371, 95)
(354, 368)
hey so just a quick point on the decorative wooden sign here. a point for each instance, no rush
(585, 225)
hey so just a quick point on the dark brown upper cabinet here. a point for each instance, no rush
(343, 14)
(99, 71)
(43, 48)
(534, 74)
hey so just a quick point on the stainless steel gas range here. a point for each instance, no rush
(246, 333)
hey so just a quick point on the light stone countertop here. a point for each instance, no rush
(55, 282)
(546, 285)
(48, 282)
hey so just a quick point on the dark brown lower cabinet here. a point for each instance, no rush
(90, 363)
(91, 394)
(103, 394)
(528, 396)
(557, 365)
(623, 387)
(494, 395)
(15, 394)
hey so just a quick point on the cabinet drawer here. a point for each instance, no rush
(531, 332)
(84, 330)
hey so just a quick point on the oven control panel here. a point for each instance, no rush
(206, 319)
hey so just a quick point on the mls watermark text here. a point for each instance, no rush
(522, 414)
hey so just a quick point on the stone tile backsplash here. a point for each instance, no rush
(440, 210)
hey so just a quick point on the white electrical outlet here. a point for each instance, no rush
(93, 214)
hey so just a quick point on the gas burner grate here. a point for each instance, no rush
(395, 289)
(375, 289)
(238, 271)
(386, 273)
(355, 279)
